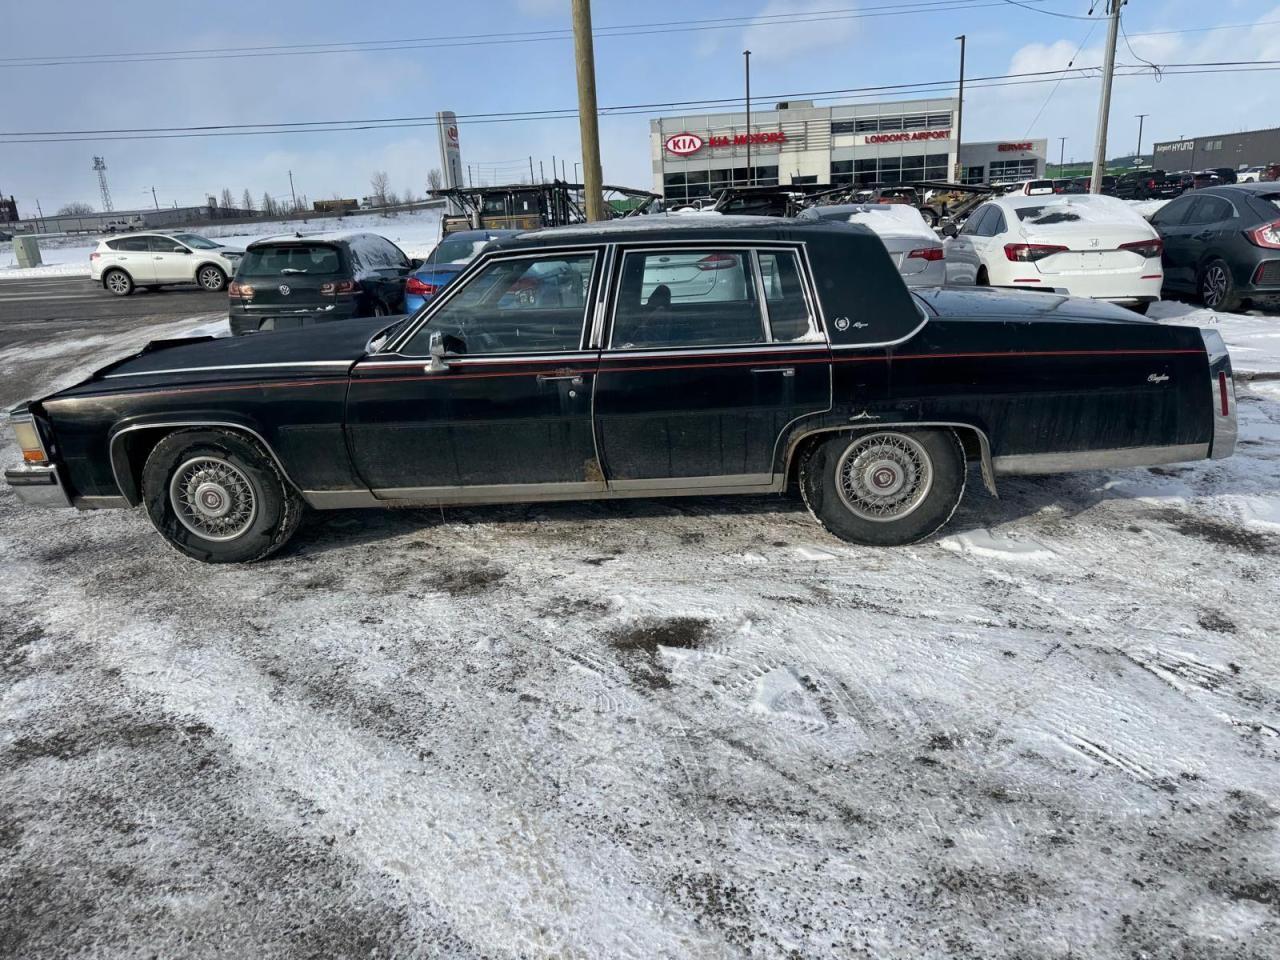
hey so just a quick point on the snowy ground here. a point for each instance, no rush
(415, 232)
(696, 728)
(1253, 338)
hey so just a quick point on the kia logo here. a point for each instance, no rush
(683, 144)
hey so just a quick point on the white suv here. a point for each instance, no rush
(122, 264)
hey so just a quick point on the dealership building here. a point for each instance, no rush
(857, 143)
(1252, 148)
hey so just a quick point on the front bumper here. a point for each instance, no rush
(38, 486)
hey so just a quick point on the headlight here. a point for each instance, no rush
(29, 440)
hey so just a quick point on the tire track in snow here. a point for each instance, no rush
(505, 883)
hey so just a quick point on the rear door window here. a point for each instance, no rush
(687, 298)
(129, 244)
(313, 260)
(785, 303)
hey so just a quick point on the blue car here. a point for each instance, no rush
(447, 260)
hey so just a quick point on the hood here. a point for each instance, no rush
(342, 340)
(988, 303)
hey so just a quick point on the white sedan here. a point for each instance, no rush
(123, 264)
(1080, 244)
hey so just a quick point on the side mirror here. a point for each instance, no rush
(949, 230)
(415, 263)
(441, 345)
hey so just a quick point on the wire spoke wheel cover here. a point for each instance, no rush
(213, 499)
(884, 476)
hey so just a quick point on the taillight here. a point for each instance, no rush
(331, 288)
(1151, 184)
(1267, 235)
(718, 261)
(240, 291)
(1030, 252)
(1145, 248)
(419, 287)
(926, 253)
(1223, 398)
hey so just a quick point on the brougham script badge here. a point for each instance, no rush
(1157, 377)
(284, 290)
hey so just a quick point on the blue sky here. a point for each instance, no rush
(789, 57)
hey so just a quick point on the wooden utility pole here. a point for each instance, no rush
(1104, 105)
(959, 171)
(588, 122)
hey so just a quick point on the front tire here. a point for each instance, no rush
(211, 278)
(1217, 287)
(884, 488)
(118, 282)
(219, 497)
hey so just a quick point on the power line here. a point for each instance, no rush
(1049, 13)
(1070, 64)
(341, 126)
(473, 40)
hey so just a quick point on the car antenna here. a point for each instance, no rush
(298, 234)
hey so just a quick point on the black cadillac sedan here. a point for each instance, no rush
(1222, 244)
(652, 357)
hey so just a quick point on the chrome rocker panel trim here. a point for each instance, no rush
(1068, 462)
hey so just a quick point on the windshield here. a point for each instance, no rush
(457, 250)
(312, 260)
(197, 241)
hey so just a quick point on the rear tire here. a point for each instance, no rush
(219, 497)
(118, 282)
(1140, 308)
(884, 488)
(1217, 287)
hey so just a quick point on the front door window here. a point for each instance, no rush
(516, 306)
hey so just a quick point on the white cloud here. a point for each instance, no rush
(778, 39)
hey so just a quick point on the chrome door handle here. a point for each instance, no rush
(785, 371)
(574, 378)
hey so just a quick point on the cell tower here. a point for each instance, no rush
(101, 166)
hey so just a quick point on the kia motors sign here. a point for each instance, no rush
(684, 144)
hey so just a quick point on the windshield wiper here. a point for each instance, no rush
(292, 270)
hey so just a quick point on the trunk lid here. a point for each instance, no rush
(288, 276)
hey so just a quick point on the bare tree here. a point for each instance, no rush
(434, 180)
(408, 196)
(76, 209)
(379, 182)
(227, 201)
(247, 200)
(269, 205)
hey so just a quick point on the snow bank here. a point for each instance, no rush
(416, 233)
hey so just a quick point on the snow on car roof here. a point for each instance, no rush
(335, 236)
(885, 219)
(1075, 207)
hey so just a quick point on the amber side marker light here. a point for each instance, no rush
(29, 440)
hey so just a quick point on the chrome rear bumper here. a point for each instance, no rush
(1222, 395)
(38, 486)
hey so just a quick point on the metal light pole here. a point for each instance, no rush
(746, 56)
(1141, 117)
(153, 198)
(1104, 105)
(959, 172)
(1062, 153)
(588, 119)
(293, 195)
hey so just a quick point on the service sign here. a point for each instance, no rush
(1014, 147)
(684, 144)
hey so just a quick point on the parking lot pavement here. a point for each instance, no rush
(32, 309)
(695, 728)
